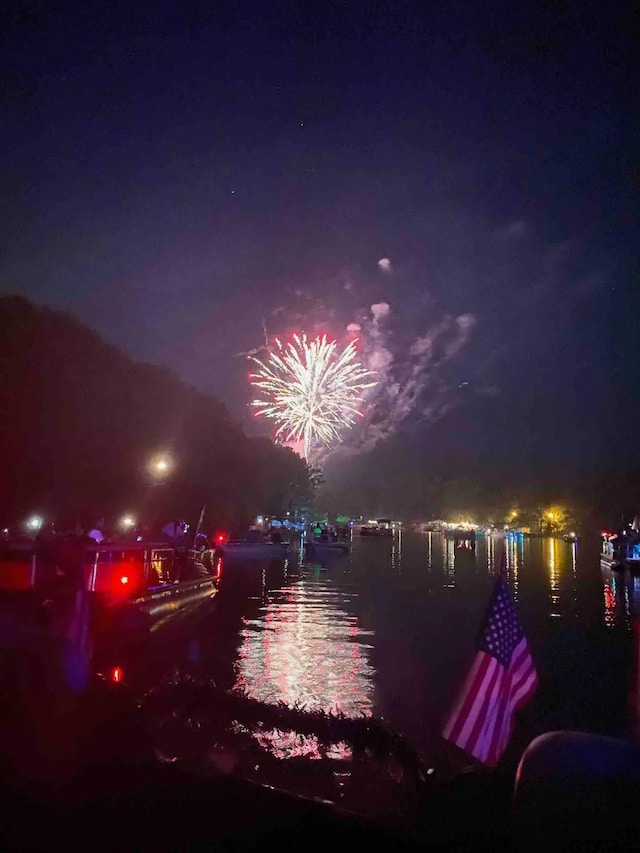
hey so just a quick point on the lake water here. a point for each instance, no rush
(389, 630)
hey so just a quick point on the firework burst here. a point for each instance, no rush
(311, 389)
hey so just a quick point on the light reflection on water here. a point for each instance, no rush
(554, 578)
(305, 648)
(288, 744)
(621, 598)
(491, 541)
(449, 562)
(609, 588)
(305, 645)
(513, 575)
(389, 628)
(396, 552)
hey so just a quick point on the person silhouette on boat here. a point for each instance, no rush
(97, 531)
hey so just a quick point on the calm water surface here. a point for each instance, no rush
(389, 630)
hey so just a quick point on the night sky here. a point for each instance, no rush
(180, 176)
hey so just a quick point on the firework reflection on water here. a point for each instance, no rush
(306, 649)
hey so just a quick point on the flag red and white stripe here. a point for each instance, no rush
(502, 679)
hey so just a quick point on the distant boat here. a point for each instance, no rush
(320, 546)
(244, 549)
(460, 534)
(619, 553)
(373, 530)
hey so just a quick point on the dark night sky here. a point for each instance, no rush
(173, 173)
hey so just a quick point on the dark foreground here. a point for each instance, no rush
(99, 770)
(103, 787)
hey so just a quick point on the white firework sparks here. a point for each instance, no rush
(311, 389)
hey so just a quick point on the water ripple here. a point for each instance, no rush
(305, 648)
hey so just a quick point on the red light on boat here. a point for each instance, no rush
(124, 580)
(116, 674)
(221, 538)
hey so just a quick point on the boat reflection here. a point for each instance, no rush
(621, 598)
(633, 596)
(615, 600)
(609, 588)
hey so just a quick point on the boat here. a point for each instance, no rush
(21, 570)
(620, 552)
(153, 576)
(119, 591)
(458, 534)
(373, 530)
(324, 546)
(245, 549)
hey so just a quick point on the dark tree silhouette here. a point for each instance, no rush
(79, 422)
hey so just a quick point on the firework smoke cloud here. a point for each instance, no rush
(400, 344)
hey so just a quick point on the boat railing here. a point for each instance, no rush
(125, 571)
(22, 569)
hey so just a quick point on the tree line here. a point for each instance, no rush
(399, 480)
(81, 423)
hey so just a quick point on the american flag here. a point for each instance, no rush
(502, 678)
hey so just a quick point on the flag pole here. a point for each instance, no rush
(502, 678)
(200, 520)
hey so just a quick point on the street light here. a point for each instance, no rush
(34, 523)
(160, 466)
(127, 521)
(550, 516)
